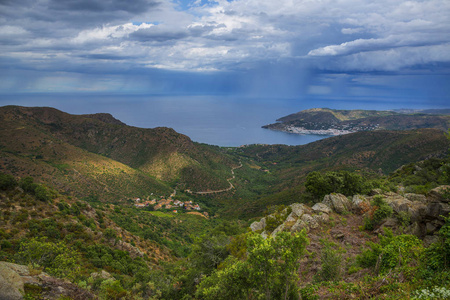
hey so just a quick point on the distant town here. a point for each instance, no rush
(167, 203)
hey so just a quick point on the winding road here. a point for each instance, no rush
(223, 190)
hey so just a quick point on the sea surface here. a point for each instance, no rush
(215, 120)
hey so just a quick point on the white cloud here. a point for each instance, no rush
(223, 35)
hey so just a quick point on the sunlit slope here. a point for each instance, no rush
(106, 152)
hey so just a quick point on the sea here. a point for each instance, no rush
(225, 121)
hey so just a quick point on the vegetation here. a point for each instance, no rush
(67, 184)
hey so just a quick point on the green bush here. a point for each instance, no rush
(7, 182)
(393, 252)
(331, 264)
(57, 259)
(380, 211)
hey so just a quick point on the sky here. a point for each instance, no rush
(336, 49)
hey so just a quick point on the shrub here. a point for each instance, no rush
(56, 258)
(380, 211)
(7, 182)
(331, 264)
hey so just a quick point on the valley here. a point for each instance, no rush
(366, 212)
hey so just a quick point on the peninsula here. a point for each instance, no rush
(325, 121)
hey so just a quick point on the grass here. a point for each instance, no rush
(162, 214)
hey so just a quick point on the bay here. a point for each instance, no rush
(216, 120)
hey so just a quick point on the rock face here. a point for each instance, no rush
(360, 204)
(441, 194)
(11, 284)
(14, 278)
(255, 226)
(320, 207)
(338, 202)
(298, 209)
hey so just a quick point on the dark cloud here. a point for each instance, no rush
(102, 6)
(157, 34)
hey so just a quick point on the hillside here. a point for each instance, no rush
(278, 172)
(337, 122)
(363, 215)
(97, 154)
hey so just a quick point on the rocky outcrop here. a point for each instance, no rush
(416, 214)
(299, 209)
(321, 208)
(441, 194)
(11, 284)
(256, 226)
(338, 202)
(14, 280)
(360, 204)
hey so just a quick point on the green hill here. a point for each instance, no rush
(97, 154)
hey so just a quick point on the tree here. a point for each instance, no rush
(7, 181)
(269, 270)
(55, 258)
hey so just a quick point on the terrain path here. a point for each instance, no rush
(223, 190)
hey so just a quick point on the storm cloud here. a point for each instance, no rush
(232, 40)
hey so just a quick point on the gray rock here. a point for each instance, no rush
(298, 209)
(291, 218)
(397, 202)
(277, 230)
(255, 226)
(299, 225)
(338, 202)
(430, 228)
(430, 239)
(441, 193)
(11, 284)
(437, 209)
(310, 221)
(320, 207)
(360, 204)
(416, 197)
(416, 229)
(321, 218)
(102, 275)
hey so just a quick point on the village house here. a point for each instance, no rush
(139, 205)
(178, 203)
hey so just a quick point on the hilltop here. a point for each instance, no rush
(99, 155)
(325, 121)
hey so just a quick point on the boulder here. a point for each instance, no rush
(264, 235)
(430, 239)
(320, 207)
(416, 197)
(435, 210)
(321, 218)
(338, 202)
(441, 194)
(299, 225)
(277, 230)
(256, 226)
(291, 218)
(397, 202)
(310, 221)
(11, 284)
(298, 209)
(102, 275)
(360, 204)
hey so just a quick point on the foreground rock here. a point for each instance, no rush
(15, 280)
(420, 215)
